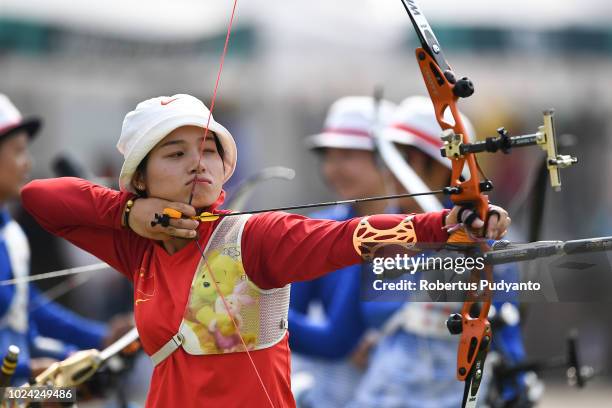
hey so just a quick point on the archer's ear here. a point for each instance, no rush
(138, 182)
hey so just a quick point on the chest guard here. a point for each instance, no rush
(260, 316)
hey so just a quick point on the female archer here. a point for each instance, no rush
(211, 298)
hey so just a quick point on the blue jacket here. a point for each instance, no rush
(347, 316)
(26, 315)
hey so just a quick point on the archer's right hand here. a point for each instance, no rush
(143, 213)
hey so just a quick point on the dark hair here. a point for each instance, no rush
(219, 146)
(143, 163)
(140, 170)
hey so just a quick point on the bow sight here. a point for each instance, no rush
(545, 137)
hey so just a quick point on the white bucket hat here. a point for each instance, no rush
(349, 123)
(11, 120)
(414, 123)
(154, 119)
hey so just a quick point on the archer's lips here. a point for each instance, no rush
(200, 180)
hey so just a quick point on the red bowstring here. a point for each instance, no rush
(212, 106)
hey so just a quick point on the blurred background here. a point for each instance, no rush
(82, 66)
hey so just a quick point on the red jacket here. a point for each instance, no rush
(277, 248)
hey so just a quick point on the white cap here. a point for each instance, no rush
(349, 123)
(12, 121)
(414, 123)
(154, 119)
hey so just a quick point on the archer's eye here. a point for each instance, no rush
(210, 148)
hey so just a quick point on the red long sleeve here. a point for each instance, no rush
(280, 248)
(89, 216)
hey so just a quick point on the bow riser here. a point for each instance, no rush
(444, 91)
(443, 97)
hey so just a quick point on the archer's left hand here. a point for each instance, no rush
(498, 221)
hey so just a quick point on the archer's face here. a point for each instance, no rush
(351, 173)
(15, 165)
(181, 159)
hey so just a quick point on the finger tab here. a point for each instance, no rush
(172, 213)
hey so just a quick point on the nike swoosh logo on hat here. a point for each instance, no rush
(168, 101)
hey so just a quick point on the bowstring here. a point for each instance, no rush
(202, 253)
(231, 316)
